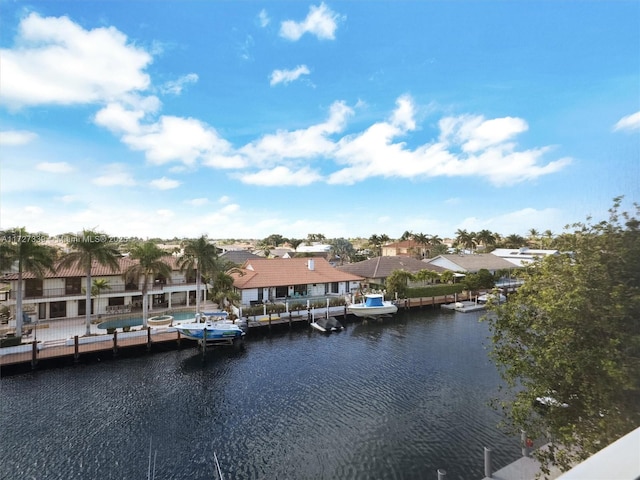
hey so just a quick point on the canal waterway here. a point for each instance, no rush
(397, 399)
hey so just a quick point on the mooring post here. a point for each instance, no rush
(34, 354)
(442, 474)
(487, 462)
(76, 349)
(148, 339)
(115, 343)
(525, 442)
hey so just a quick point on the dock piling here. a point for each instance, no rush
(115, 343)
(76, 349)
(487, 462)
(34, 354)
(442, 474)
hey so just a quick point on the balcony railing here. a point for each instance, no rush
(115, 288)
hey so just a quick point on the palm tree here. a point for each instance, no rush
(98, 285)
(465, 239)
(514, 241)
(222, 290)
(534, 236)
(86, 248)
(548, 234)
(150, 266)
(422, 240)
(486, 238)
(30, 255)
(200, 256)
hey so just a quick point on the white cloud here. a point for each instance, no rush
(115, 175)
(311, 142)
(263, 18)
(175, 87)
(54, 167)
(628, 123)
(467, 146)
(288, 76)
(14, 138)
(164, 183)
(56, 61)
(281, 176)
(176, 139)
(165, 213)
(321, 21)
(197, 202)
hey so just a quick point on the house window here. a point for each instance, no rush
(333, 288)
(33, 287)
(82, 307)
(73, 285)
(131, 287)
(57, 309)
(281, 292)
(113, 301)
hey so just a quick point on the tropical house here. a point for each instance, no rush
(463, 263)
(409, 248)
(62, 294)
(521, 257)
(264, 280)
(376, 270)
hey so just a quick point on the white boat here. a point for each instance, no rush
(500, 298)
(210, 326)
(327, 325)
(373, 305)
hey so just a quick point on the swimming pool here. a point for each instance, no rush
(137, 321)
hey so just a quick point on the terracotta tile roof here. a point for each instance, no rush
(382, 267)
(276, 272)
(97, 270)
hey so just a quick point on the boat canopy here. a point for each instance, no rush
(373, 301)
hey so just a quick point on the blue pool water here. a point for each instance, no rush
(134, 322)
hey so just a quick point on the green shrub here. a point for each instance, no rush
(434, 290)
(10, 342)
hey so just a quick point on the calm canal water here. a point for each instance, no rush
(391, 400)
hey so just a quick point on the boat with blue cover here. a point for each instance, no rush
(373, 305)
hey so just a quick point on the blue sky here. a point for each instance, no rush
(242, 119)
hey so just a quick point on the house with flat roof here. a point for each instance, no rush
(62, 294)
(521, 257)
(263, 279)
(377, 269)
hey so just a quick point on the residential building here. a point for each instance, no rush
(522, 256)
(409, 248)
(376, 270)
(463, 263)
(273, 279)
(62, 294)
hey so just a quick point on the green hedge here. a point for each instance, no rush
(434, 290)
(10, 342)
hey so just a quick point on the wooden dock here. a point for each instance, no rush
(74, 349)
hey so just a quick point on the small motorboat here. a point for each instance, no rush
(327, 325)
(373, 305)
(210, 327)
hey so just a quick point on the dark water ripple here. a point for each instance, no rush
(391, 400)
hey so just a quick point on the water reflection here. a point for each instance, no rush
(393, 399)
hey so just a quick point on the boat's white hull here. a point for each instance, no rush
(362, 310)
(208, 332)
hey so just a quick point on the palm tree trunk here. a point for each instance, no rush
(145, 300)
(198, 284)
(19, 305)
(88, 302)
